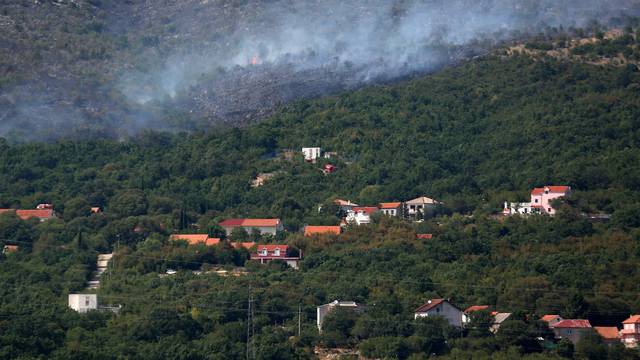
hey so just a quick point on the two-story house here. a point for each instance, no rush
(572, 329)
(418, 207)
(267, 253)
(630, 333)
(311, 154)
(541, 198)
(440, 307)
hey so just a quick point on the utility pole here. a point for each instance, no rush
(248, 323)
(299, 320)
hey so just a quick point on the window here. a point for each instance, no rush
(276, 252)
(438, 310)
(86, 301)
(263, 252)
(549, 209)
(536, 201)
(546, 191)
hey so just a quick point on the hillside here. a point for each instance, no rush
(111, 69)
(471, 136)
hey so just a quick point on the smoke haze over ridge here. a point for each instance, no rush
(222, 61)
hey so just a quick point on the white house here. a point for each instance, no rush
(419, 206)
(391, 209)
(631, 331)
(440, 307)
(311, 153)
(361, 215)
(264, 226)
(83, 303)
(323, 310)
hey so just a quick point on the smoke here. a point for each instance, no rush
(233, 61)
(362, 40)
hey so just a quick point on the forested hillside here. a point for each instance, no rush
(471, 136)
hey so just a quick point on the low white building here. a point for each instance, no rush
(83, 303)
(323, 310)
(311, 153)
(361, 215)
(440, 307)
(522, 208)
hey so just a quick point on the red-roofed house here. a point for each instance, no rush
(466, 317)
(541, 199)
(311, 230)
(572, 329)
(610, 334)
(361, 215)
(195, 239)
(424, 236)
(631, 331)
(265, 226)
(10, 249)
(41, 214)
(551, 320)
(391, 208)
(268, 253)
(440, 307)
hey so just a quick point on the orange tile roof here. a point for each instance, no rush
(28, 214)
(390, 205)
(250, 223)
(316, 230)
(429, 305)
(548, 318)
(552, 188)
(272, 247)
(573, 323)
(634, 319)
(424, 236)
(608, 332)
(195, 239)
(10, 248)
(473, 308)
(344, 202)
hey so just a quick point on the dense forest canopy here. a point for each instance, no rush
(472, 137)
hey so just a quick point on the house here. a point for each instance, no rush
(264, 226)
(551, 320)
(83, 303)
(311, 230)
(44, 207)
(630, 333)
(311, 154)
(610, 334)
(96, 210)
(267, 253)
(418, 207)
(498, 319)
(345, 205)
(361, 215)
(323, 310)
(540, 203)
(424, 236)
(541, 198)
(10, 249)
(329, 169)
(440, 307)
(466, 316)
(391, 208)
(195, 239)
(41, 214)
(572, 329)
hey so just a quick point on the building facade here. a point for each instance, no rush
(440, 307)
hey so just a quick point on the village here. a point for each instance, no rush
(352, 214)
